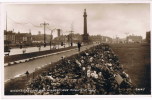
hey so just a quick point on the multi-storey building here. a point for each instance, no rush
(134, 39)
(148, 36)
(9, 37)
(23, 38)
(12, 38)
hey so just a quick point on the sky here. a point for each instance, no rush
(113, 19)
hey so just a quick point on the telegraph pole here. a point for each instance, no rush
(71, 38)
(29, 30)
(6, 22)
(44, 24)
(71, 34)
(6, 28)
(6, 45)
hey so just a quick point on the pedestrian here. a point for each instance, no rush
(20, 46)
(27, 74)
(39, 48)
(71, 44)
(24, 50)
(79, 46)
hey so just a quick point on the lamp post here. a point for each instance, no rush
(44, 24)
(71, 37)
(71, 32)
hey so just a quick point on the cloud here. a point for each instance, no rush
(106, 19)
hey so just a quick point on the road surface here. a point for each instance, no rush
(18, 69)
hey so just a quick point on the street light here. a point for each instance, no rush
(44, 24)
(72, 38)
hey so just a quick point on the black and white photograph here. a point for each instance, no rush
(76, 49)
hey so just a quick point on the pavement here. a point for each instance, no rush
(15, 70)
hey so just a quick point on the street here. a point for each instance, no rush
(18, 69)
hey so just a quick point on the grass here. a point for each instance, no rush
(134, 57)
(136, 62)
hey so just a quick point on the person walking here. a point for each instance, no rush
(79, 46)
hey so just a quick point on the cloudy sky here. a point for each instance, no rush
(105, 19)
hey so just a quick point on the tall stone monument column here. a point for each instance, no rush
(85, 21)
(85, 34)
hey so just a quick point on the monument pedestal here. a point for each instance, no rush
(85, 38)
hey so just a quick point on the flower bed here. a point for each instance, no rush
(96, 71)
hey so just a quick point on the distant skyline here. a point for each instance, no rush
(103, 19)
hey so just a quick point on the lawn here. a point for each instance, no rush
(136, 62)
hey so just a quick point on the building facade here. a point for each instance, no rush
(59, 32)
(134, 39)
(148, 36)
(23, 38)
(9, 37)
(101, 39)
(39, 38)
